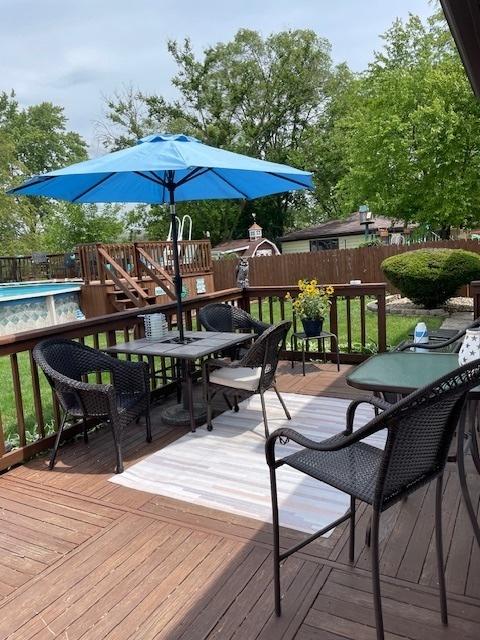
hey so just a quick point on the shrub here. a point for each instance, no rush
(431, 276)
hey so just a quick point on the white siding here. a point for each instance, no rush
(296, 246)
(351, 242)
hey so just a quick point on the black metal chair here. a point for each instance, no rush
(67, 363)
(419, 429)
(254, 372)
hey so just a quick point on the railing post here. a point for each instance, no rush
(101, 270)
(382, 321)
(245, 300)
(475, 293)
(138, 263)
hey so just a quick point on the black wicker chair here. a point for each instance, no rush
(419, 429)
(225, 317)
(67, 363)
(254, 372)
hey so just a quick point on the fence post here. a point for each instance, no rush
(382, 320)
(138, 264)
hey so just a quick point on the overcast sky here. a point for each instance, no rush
(75, 52)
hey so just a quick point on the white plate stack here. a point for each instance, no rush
(155, 326)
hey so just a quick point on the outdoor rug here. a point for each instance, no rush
(225, 469)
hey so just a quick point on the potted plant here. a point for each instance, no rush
(312, 304)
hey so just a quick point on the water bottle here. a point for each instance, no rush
(420, 336)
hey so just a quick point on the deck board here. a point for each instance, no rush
(81, 557)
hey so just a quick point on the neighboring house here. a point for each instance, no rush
(342, 234)
(254, 245)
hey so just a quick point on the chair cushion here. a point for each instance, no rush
(238, 378)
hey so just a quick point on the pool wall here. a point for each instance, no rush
(37, 312)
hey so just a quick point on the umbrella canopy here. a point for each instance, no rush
(167, 168)
(148, 171)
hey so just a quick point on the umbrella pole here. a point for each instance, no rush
(177, 278)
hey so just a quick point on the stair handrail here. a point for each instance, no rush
(120, 277)
(151, 266)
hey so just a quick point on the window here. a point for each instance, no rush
(322, 244)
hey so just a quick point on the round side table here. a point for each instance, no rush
(305, 340)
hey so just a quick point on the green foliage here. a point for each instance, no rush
(274, 98)
(34, 140)
(412, 133)
(431, 276)
(82, 223)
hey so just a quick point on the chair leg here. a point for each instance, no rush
(264, 411)
(276, 542)
(377, 596)
(287, 412)
(209, 408)
(235, 404)
(85, 431)
(148, 426)
(351, 547)
(439, 545)
(118, 446)
(227, 401)
(53, 455)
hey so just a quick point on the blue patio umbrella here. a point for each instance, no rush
(167, 168)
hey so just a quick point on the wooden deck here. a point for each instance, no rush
(81, 557)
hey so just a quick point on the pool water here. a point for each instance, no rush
(16, 291)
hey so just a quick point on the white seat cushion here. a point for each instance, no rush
(239, 378)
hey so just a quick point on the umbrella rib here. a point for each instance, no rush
(153, 178)
(92, 187)
(230, 184)
(279, 175)
(31, 182)
(198, 171)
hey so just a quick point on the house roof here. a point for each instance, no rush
(255, 226)
(348, 227)
(248, 246)
(463, 17)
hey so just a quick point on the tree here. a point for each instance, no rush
(412, 134)
(265, 97)
(32, 141)
(76, 224)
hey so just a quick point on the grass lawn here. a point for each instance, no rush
(398, 328)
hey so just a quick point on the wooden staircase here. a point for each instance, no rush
(121, 301)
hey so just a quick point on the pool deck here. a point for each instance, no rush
(81, 557)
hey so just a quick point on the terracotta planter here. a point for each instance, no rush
(312, 327)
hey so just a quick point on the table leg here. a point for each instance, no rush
(186, 413)
(304, 346)
(468, 414)
(291, 350)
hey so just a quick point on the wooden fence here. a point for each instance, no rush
(30, 415)
(337, 265)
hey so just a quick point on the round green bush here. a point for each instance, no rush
(430, 276)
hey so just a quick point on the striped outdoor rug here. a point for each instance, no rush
(225, 469)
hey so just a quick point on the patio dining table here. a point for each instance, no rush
(198, 344)
(404, 372)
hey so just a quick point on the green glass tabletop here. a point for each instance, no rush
(401, 372)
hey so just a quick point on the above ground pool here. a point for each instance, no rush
(34, 305)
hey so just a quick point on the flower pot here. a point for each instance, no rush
(470, 349)
(312, 327)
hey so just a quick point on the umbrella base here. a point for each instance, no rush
(178, 416)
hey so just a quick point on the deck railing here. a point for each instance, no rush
(22, 268)
(195, 257)
(29, 414)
